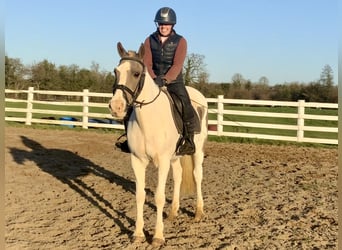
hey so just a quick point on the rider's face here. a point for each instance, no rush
(165, 29)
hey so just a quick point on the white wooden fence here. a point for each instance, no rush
(216, 127)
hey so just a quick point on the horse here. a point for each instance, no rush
(152, 136)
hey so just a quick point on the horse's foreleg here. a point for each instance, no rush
(139, 171)
(177, 179)
(163, 170)
(198, 174)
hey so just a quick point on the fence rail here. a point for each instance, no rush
(34, 110)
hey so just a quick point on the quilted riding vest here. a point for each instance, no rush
(163, 54)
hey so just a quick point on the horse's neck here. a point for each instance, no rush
(155, 107)
(154, 121)
(149, 91)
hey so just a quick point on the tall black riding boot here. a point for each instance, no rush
(186, 145)
(123, 146)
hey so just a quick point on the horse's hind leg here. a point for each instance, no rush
(198, 174)
(177, 179)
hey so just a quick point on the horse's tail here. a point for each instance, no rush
(188, 185)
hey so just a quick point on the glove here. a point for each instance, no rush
(160, 81)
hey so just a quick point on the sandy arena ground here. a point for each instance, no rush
(71, 190)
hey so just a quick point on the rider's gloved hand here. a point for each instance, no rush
(160, 81)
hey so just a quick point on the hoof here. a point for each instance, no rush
(157, 242)
(172, 217)
(138, 239)
(199, 216)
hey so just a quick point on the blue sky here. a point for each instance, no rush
(283, 40)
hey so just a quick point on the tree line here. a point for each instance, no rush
(45, 75)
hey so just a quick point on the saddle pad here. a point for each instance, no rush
(176, 108)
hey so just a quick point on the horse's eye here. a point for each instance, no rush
(136, 74)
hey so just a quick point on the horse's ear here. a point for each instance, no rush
(141, 51)
(122, 52)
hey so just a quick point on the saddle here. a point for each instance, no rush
(177, 113)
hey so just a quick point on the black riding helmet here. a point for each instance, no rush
(166, 15)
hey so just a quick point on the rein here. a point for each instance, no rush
(134, 94)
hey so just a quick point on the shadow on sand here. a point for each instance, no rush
(69, 167)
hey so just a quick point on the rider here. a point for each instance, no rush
(165, 52)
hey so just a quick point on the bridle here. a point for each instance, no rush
(136, 92)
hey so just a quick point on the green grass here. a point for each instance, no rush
(226, 139)
(219, 139)
(272, 120)
(235, 118)
(48, 107)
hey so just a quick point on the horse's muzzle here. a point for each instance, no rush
(118, 109)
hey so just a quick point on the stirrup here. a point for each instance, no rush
(185, 146)
(123, 146)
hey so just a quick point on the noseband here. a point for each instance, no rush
(136, 92)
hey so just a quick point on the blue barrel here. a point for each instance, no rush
(68, 118)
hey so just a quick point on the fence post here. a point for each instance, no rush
(220, 109)
(85, 108)
(30, 97)
(300, 121)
